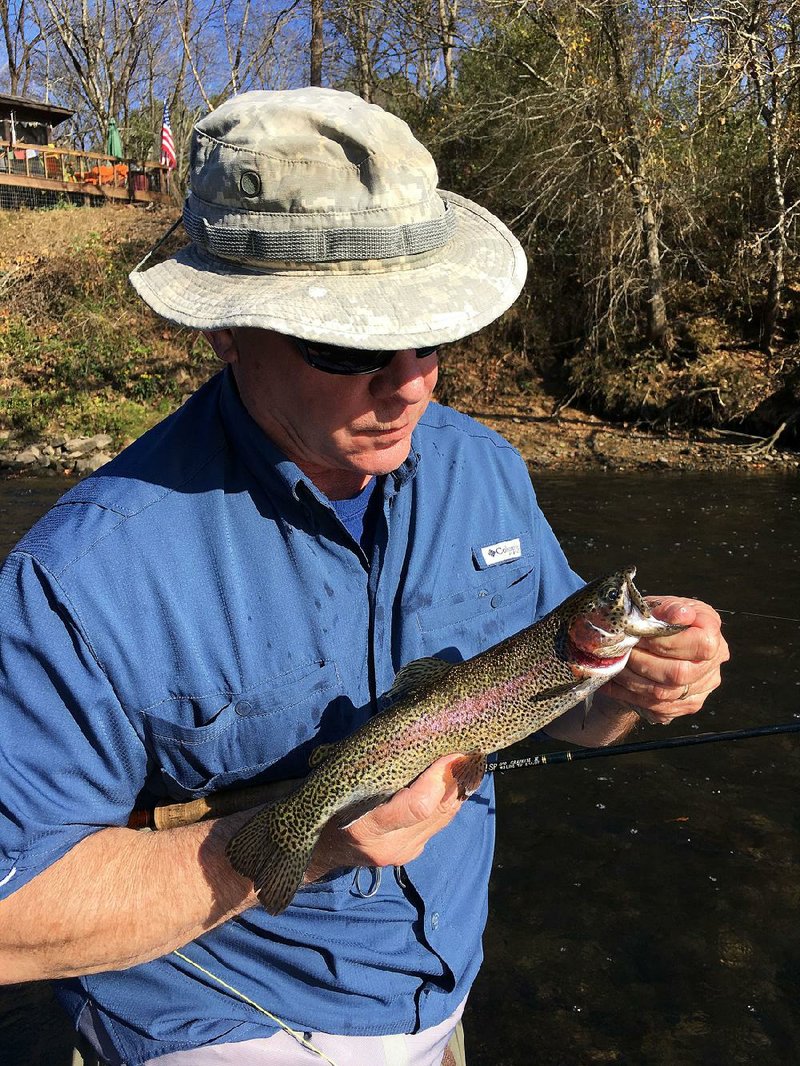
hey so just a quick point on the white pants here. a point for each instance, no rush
(425, 1048)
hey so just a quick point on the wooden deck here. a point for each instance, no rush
(90, 175)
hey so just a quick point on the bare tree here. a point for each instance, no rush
(102, 45)
(576, 124)
(21, 38)
(231, 45)
(360, 28)
(753, 47)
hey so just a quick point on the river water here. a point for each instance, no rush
(645, 909)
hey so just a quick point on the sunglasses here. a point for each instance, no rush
(335, 360)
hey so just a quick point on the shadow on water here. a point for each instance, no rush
(644, 910)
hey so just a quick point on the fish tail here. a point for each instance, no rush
(275, 864)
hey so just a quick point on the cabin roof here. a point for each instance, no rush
(28, 110)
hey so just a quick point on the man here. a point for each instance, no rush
(243, 583)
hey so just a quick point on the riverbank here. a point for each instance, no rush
(573, 440)
(576, 440)
(85, 368)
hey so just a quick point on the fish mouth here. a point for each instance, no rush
(597, 664)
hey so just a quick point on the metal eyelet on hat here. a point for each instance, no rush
(250, 183)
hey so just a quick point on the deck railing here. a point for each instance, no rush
(37, 166)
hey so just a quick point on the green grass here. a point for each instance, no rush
(79, 352)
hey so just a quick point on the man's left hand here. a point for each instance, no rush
(672, 676)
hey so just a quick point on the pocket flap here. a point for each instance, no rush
(497, 588)
(203, 743)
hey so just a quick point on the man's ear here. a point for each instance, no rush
(224, 344)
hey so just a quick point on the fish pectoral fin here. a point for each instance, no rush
(321, 754)
(574, 688)
(353, 811)
(468, 773)
(587, 706)
(417, 675)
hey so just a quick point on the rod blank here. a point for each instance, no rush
(644, 745)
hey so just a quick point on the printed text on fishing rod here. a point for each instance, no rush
(575, 755)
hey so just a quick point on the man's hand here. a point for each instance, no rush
(395, 832)
(672, 676)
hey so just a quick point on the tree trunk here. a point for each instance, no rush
(362, 52)
(658, 331)
(447, 25)
(777, 247)
(317, 42)
(766, 75)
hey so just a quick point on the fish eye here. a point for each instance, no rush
(612, 595)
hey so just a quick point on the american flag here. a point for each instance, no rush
(168, 158)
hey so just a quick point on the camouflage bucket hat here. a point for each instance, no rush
(313, 213)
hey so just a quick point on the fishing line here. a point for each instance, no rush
(754, 614)
(644, 745)
(299, 1037)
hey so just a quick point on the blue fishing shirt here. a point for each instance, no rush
(195, 617)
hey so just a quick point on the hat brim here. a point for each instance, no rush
(443, 296)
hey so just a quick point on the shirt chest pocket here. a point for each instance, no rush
(199, 744)
(493, 604)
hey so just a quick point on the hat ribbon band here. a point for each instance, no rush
(320, 246)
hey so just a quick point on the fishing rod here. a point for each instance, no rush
(644, 745)
(217, 804)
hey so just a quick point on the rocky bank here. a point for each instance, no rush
(574, 440)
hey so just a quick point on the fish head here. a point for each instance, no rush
(605, 620)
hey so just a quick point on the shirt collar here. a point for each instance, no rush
(268, 465)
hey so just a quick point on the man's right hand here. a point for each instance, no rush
(395, 832)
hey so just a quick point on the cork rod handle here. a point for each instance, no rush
(215, 805)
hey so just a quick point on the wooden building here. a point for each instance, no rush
(34, 172)
(30, 121)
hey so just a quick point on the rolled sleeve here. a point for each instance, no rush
(70, 761)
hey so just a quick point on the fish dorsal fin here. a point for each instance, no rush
(417, 675)
(321, 754)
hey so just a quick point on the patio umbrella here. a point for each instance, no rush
(113, 140)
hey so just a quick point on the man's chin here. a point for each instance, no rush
(383, 457)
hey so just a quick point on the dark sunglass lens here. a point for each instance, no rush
(363, 361)
(335, 360)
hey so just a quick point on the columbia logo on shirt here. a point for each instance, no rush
(502, 552)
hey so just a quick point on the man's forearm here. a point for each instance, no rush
(120, 898)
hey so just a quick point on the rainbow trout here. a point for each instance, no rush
(490, 701)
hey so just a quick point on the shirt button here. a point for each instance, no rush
(435, 920)
(243, 707)
(497, 599)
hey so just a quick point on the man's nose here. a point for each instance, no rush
(405, 377)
